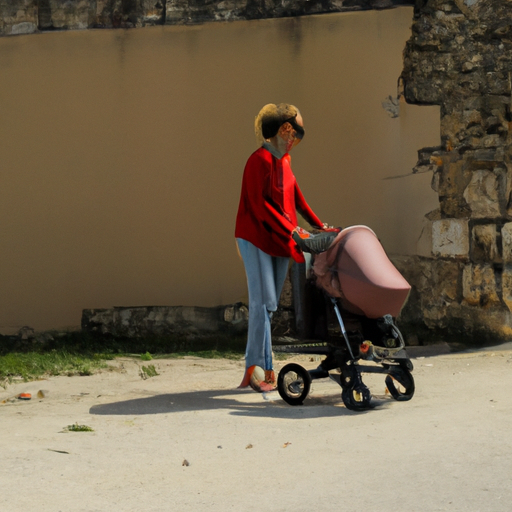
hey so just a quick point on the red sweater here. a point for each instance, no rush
(269, 202)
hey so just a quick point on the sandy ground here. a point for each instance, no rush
(188, 440)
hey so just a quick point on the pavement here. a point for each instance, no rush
(188, 440)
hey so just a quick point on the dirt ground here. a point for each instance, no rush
(188, 440)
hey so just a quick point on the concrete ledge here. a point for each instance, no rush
(185, 321)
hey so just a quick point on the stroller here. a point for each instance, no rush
(367, 292)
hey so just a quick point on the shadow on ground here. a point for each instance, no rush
(237, 402)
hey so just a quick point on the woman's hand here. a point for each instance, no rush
(327, 227)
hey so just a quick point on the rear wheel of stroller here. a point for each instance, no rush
(357, 398)
(400, 384)
(293, 383)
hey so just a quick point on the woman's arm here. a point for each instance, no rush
(304, 209)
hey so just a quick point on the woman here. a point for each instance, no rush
(266, 220)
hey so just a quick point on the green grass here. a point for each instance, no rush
(148, 371)
(77, 353)
(78, 428)
(32, 365)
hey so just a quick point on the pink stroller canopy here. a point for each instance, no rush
(357, 270)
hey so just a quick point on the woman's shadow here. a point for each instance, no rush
(235, 401)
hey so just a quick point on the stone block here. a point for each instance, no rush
(185, 321)
(424, 244)
(506, 242)
(453, 179)
(482, 194)
(479, 286)
(177, 11)
(450, 238)
(152, 12)
(118, 14)
(506, 286)
(185, 11)
(18, 17)
(436, 280)
(484, 245)
(63, 14)
(436, 287)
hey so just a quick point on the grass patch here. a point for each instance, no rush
(79, 353)
(149, 371)
(34, 365)
(78, 428)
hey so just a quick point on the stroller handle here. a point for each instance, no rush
(315, 243)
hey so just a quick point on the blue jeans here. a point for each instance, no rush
(265, 279)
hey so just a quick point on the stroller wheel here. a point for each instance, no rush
(400, 384)
(293, 383)
(357, 398)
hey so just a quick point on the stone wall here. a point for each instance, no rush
(460, 57)
(178, 321)
(30, 16)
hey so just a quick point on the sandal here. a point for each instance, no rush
(260, 380)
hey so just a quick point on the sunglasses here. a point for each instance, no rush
(299, 130)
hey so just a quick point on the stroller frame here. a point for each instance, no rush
(351, 358)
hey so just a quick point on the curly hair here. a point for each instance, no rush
(271, 117)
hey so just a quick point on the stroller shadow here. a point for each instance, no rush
(236, 402)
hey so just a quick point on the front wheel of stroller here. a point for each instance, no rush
(400, 384)
(357, 398)
(293, 383)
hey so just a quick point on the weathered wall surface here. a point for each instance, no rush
(30, 16)
(183, 321)
(460, 57)
(105, 167)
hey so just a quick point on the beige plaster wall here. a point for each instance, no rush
(121, 154)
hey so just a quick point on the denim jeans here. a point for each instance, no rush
(265, 279)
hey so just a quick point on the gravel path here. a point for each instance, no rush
(188, 440)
